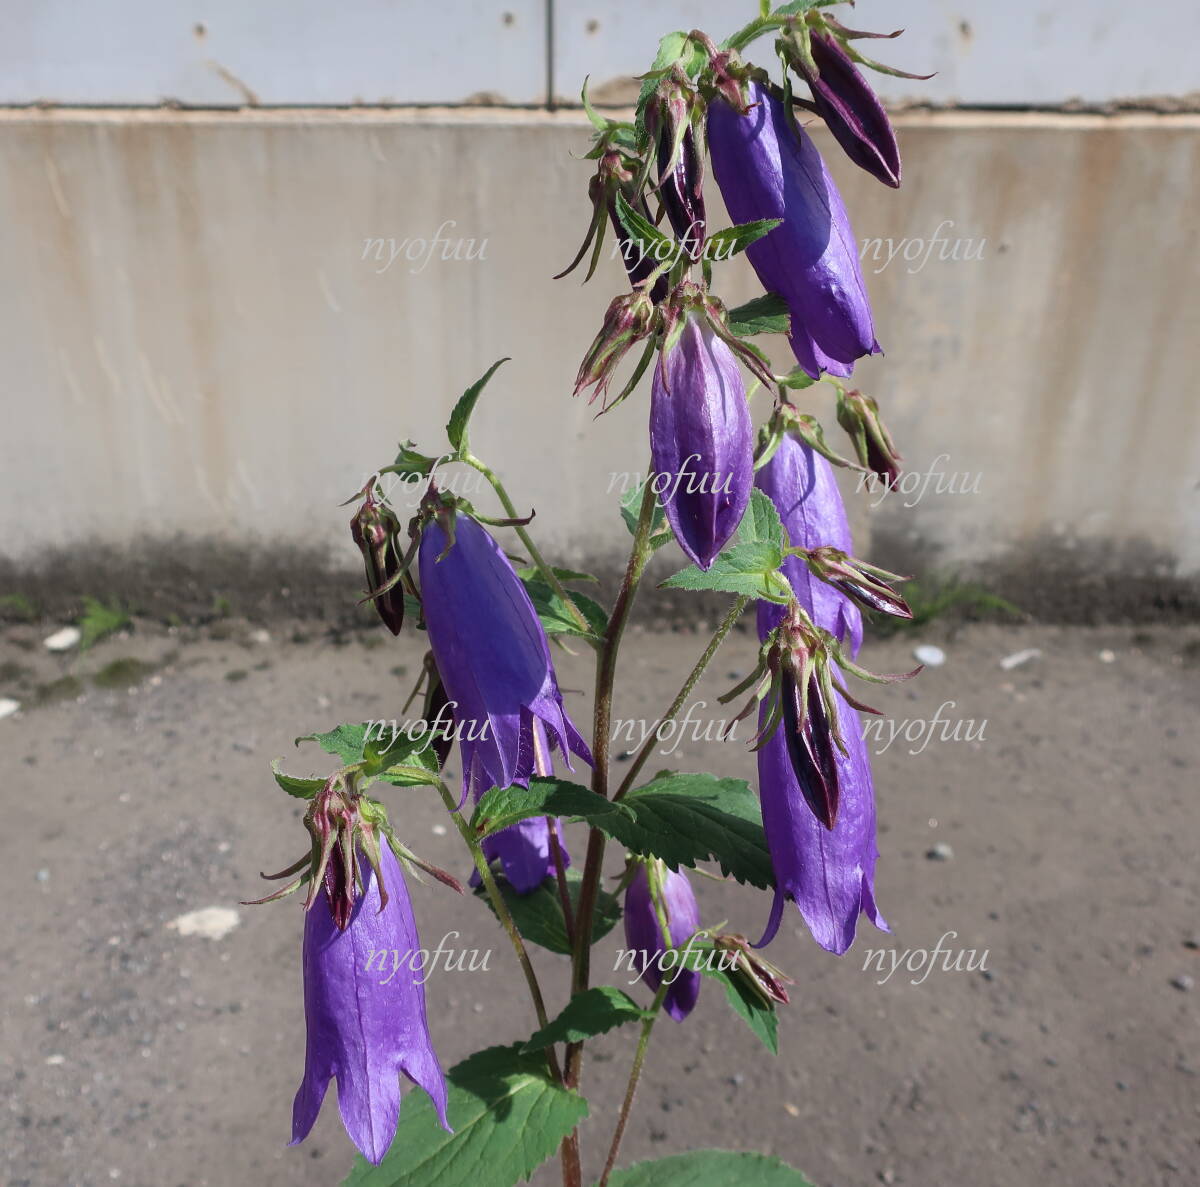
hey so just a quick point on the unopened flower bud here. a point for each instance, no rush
(859, 416)
(376, 531)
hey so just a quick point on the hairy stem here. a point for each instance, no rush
(606, 668)
(548, 574)
(639, 1057)
(506, 919)
(735, 612)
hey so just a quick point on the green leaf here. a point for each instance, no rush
(410, 463)
(456, 428)
(503, 806)
(761, 523)
(731, 240)
(758, 1015)
(649, 239)
(556, 616)
(593, 1012)
(764, 315)
(689, 818)
(508, 1117)
(539, 917)
(346, 741)
(670, 50)
(631, 503)
(566, 576)
(302, 789)
(710, 1168)
(797, 379)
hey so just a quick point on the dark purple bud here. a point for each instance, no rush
(376, 531)
(672, 118)
(491, 651)
(851, 109)
(868, 585)
(810, 746)
(859, 416)
(364, 1010)
(439, 714)
(638, 264)
(701, 440)
(768, 167)
(644, 935)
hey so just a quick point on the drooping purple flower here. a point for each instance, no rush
(643, 934)
(766, 168)
(492, 655)
(828, 872)
(701, 441)
(851, 109)
(365, 1014)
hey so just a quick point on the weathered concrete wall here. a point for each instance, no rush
(194, 343)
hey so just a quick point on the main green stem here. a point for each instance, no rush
(735, 612)
(606, 668)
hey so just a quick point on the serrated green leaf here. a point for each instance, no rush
(504, 806)
(556, 616)
(539, 916)
(688, 818)
(760, 1016)
(746, 569)
(797, 379)
(456, 427)
(729, 241)
(761, 523)
(767, 314)
(346, 741)
(710, 1168)
(508, 1117)
(302, 789)
(594, 1012)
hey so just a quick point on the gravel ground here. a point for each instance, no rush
(1060, 840)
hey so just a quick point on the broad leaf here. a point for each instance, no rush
(405, 760)
(539, 916)
(346, 741)
(566, 576)
(723, 244)
(761, 523)
(302, 789)
(508, 1117)
(685, 819)
(456, 428)
(767, 314)
(556, 616)
(503, 806)
(593, 1012)
(710, 1168)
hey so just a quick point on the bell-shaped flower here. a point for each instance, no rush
(701, 439)
(365, 1011)
(491, 653)
(767, 167)
(644, 933)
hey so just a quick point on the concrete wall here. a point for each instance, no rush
(194, 342)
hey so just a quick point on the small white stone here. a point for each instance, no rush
(930, 656)
(261, 637)
(63, 640)
(1020, 657)
(211, 923)
(55, 1060)
(940, 852)
(439, 830)
(8, 706)
(1106, 656)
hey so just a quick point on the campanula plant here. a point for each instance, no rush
(756, 516)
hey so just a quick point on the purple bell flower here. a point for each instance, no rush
(767, 169)
(701, 441)
(828, 872)
(366, 1024)
(643, 934)
(492, 655)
